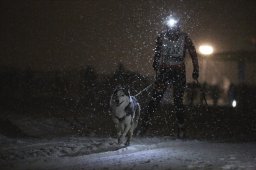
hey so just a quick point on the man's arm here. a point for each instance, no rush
(157, 51)
(192, 51)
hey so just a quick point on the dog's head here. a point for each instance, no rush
(121, 95)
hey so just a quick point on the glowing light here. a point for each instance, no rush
(171, 22)
(206, 49)
(234, 103)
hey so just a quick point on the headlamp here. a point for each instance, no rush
(171, 22)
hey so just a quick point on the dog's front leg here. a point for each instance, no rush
(119, 131)
(127, 127)
(118, 128)
(130, 134)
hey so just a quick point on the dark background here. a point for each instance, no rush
(61, 34)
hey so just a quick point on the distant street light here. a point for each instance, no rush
(234, 103)
(206, 49)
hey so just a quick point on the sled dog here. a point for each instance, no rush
(125, 111)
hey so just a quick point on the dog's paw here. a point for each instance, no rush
(121, 140)
(127, 143)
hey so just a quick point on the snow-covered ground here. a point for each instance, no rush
(143, 153)
(35, 143)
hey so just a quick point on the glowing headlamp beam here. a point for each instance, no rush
(171, 22)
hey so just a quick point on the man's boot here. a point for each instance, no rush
(181, 131)
(143, 129)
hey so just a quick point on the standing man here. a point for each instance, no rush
(170, 51)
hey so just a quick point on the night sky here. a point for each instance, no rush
(61, 34)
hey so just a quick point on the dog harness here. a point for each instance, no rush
(129, 109)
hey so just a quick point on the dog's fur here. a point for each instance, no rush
(125, 113)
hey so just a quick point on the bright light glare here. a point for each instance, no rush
(234, 103)
(206, 49)
(171, 22)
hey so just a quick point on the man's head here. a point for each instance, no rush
(172, 24)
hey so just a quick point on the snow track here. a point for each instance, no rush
(144, 153)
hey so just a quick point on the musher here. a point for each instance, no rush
(170, 51)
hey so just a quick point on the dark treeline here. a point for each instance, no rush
(85, 87)
(81, 98)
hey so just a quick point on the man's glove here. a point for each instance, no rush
(155, 66)
(195, 74)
